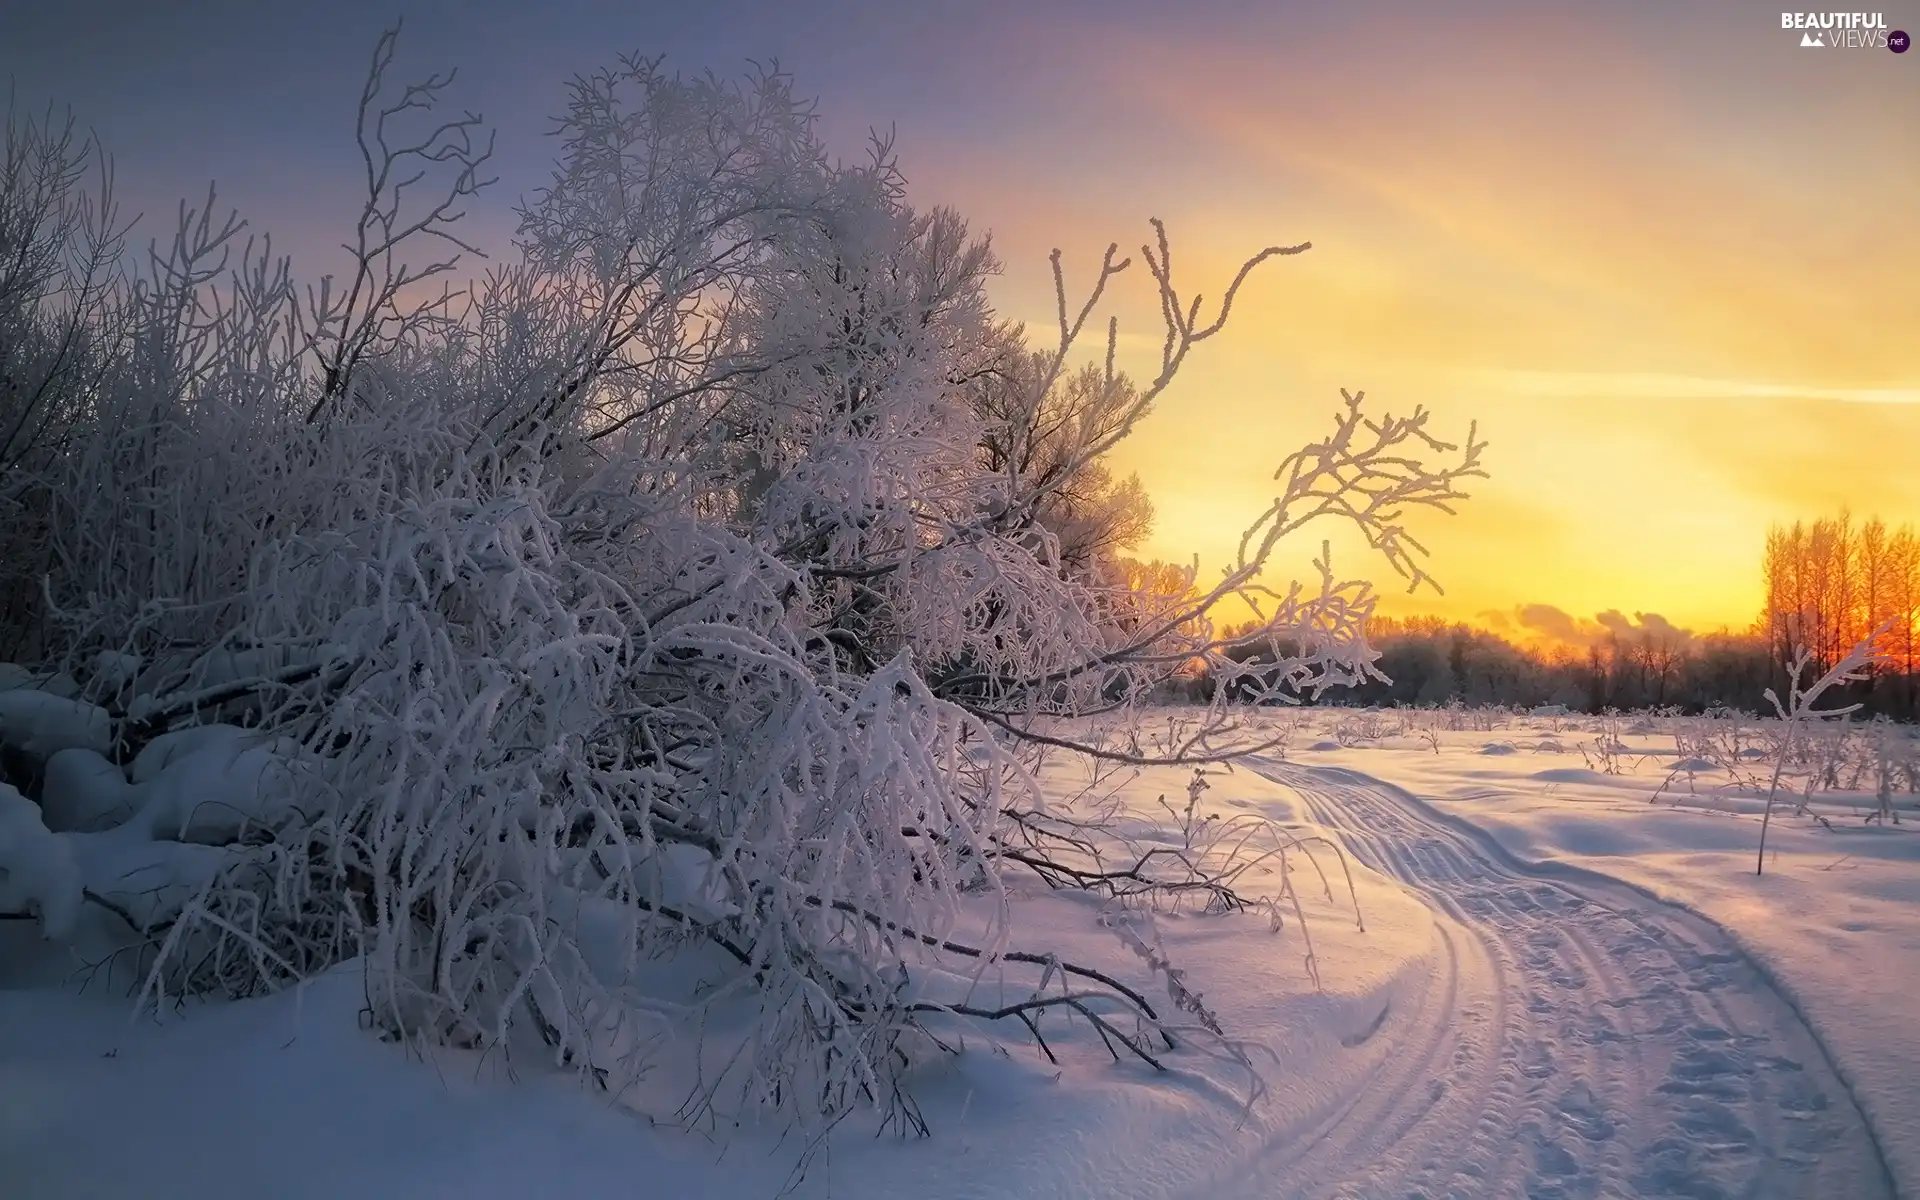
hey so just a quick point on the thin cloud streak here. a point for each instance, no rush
(1646, 385)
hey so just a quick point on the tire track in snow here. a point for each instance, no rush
(1580, 1040)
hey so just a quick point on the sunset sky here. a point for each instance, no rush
(1668, 258)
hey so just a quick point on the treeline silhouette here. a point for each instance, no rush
(1828, 585)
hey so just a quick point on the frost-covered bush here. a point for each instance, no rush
(697, 585)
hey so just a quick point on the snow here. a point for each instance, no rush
(142, 848)
(40, 723)
(176, 744)
(37, 873)
(256, 1097)
(1560, 989)
(215, 789)
(149, 880)
(1831, 923)
(84, 791)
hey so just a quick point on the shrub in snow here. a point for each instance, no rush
(1883, 737)
(1798, 714)
(704, 587)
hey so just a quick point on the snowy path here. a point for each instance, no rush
(1580, 1039)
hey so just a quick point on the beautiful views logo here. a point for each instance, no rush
(1856, 31)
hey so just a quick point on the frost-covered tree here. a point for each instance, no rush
(59, 313)
(693, 588)
(1031, 429)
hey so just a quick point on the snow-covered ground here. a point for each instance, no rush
(1510, 1021)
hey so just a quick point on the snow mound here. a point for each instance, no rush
(84, 792)
(37, 872)
(40, 724)
(1568, 775)
(182, 743)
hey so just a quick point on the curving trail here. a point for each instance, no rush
(1579, 1040)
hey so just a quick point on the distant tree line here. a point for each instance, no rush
(1828, 585)
(1432, 661)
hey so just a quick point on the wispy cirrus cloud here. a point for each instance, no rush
(1645, 385)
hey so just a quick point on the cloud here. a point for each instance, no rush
(1553, 624)
(1499, 622)
(1659, 626)
(1614, 623)
(1600, 385)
